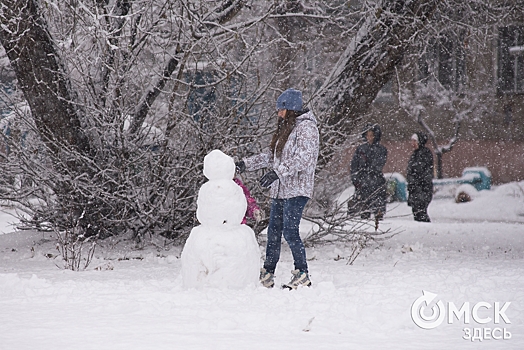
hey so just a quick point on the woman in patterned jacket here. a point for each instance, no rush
(292, 159)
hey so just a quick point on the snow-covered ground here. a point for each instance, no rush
(471, 253)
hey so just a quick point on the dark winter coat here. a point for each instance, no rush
(420, 175)
(366, 170)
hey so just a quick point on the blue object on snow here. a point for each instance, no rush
(396, 187)
(478, 177)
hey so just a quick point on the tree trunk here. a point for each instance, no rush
(285, 51)
(42, 79)
(440, 150)
(440, 174)
(367, 64)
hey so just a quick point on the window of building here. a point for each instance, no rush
(511, 59)
(445, 62)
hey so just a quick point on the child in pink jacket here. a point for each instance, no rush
(253, 211)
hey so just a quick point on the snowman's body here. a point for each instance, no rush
(221, 252)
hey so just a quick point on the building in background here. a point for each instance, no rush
(478, 82)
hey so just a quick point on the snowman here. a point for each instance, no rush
(220, 252)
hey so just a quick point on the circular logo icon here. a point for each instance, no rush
(421, 317)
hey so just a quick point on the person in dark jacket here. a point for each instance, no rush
(367, 176)
(420, 178)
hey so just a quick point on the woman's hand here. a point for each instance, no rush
(268, 178)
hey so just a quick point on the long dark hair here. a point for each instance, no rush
(284, 127)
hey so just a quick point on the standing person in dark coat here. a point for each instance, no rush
(367, 176)
(420, 177)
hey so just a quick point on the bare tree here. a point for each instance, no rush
(150, 87)
(394, 40)
(440, 150)
(386, 30)
(453, 103)
(145, 89)
(369, 61)
(82, 70)
(436, 87)
(103, 55)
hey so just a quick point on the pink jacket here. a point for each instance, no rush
(251, 202)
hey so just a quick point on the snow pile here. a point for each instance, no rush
(221, 252)
(501, 203)
(480, 169)
(513, 189)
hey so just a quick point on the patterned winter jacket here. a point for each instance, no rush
(296, 167)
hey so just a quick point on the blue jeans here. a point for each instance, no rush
(284, 219)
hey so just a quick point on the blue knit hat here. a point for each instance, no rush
(290, 99)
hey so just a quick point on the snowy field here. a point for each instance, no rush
(471, 253)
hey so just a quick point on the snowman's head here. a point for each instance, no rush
(219, 166)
